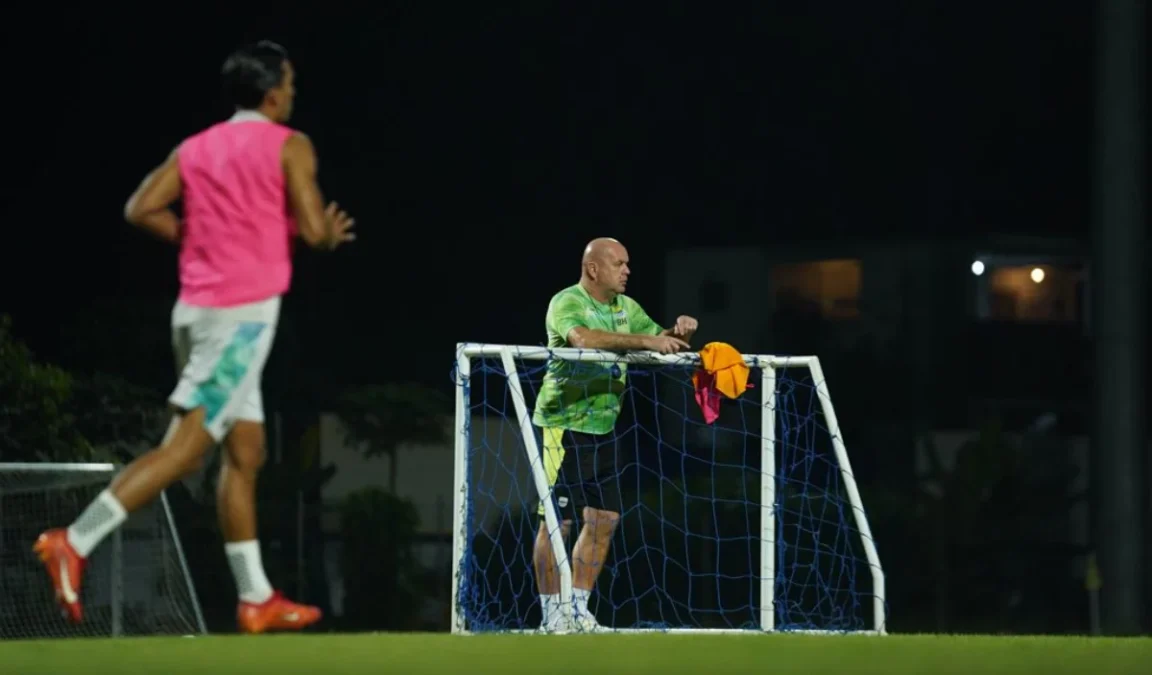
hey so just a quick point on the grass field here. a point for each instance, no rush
(597, 655)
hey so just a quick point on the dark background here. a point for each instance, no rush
(484, 145)
(480, 145)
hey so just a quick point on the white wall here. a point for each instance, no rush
(425, 472)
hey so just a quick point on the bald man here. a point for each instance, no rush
(577, 409)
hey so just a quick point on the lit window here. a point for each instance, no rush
(1034, 293)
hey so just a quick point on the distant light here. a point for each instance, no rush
(977, 268)
(1037, 274)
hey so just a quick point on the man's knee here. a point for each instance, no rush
(244, 448)
(247, 460)
(600, 520)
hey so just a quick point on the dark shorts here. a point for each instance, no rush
(583, 470)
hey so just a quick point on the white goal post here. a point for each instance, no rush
(137, 582)
(788, 586)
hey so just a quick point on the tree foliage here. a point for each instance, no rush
(992, 527)
(382, 417)
(379, 563)
(50, 415)
(117, 416)
(35, 421)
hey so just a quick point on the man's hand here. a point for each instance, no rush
(684, 329)
(339, 226)
(667, 344)
(321, 228)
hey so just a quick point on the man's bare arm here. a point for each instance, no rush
(149, 207)
(587, 338)
(299, 157)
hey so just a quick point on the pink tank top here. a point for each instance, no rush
(236, 245)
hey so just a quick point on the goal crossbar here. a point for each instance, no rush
(473, 350)
(767, 364)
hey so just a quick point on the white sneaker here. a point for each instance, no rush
(558, 625)
(586, 623)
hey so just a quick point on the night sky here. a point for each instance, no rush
(479, 147)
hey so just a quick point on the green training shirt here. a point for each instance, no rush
(579, 395)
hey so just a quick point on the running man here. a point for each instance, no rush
(577, 409)
(243, 182)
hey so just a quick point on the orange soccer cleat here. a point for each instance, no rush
(65, 568)
(275, 613)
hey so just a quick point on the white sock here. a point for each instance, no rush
(550, 606)
(580, 597)
(247, 569)
(97, 521)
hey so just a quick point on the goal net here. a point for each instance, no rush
(751, 523)
(136, 582)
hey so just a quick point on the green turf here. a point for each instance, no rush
(412, 654)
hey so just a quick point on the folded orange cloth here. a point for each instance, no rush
(722, 371)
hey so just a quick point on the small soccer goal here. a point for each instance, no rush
(135, 583)
(751, 523)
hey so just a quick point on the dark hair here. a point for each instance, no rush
(251, 71)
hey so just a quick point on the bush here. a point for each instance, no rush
(381, 575)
